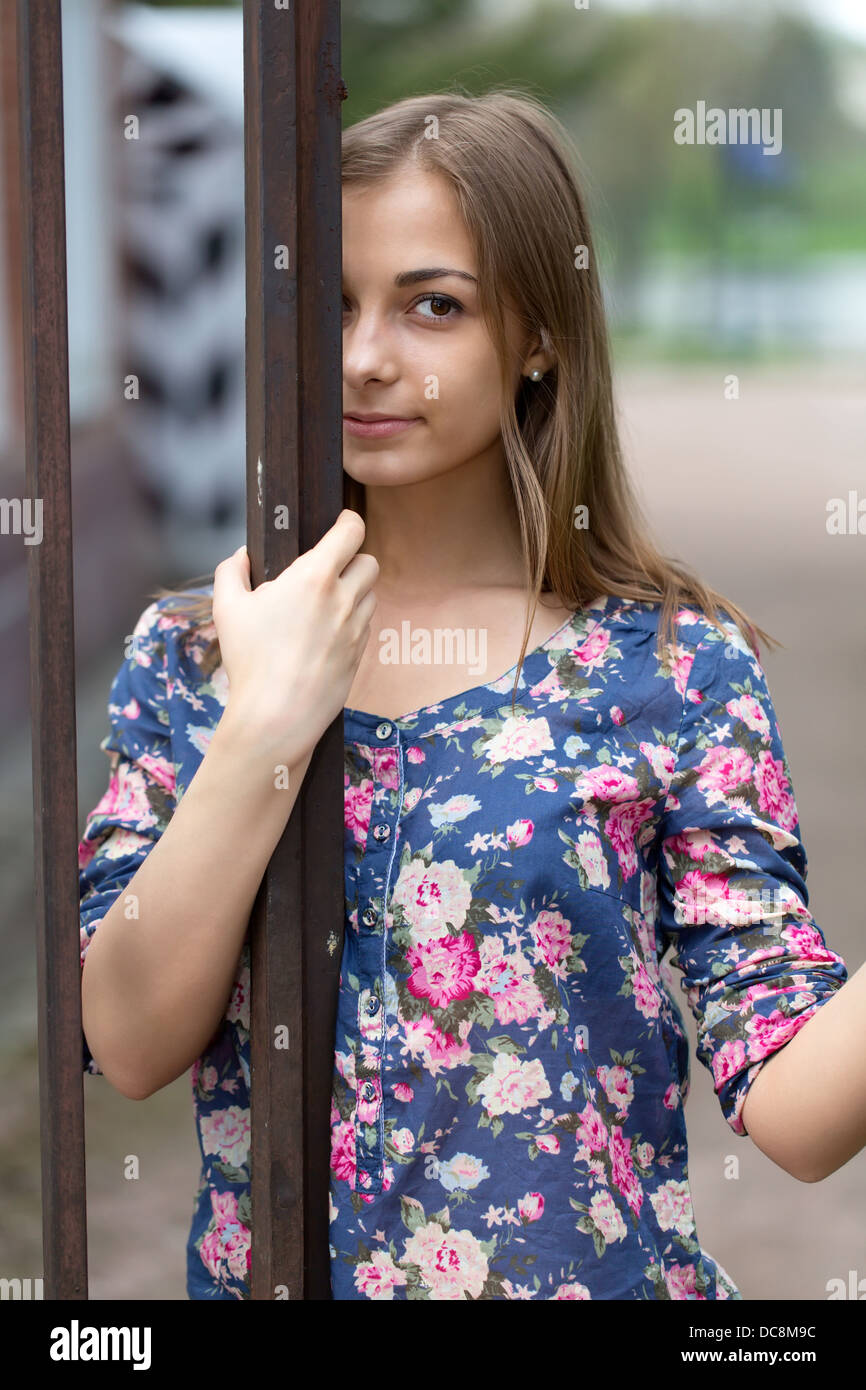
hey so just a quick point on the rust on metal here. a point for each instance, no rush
(52, 650)
(292, 95)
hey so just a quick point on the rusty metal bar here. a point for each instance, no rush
(52, 649)
(292, 134)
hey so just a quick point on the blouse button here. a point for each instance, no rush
(369, 916)
(383, 730)
(372, 1005)
(368, 1091)
(381, 832)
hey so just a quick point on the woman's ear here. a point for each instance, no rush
(540, 355)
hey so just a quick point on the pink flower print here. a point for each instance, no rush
(618, 1084)
(520, 737)
(438, 1050)
(227, 1240)
(343, 1151)
(508, 980)
(444, 1050)
(646, 996)
(402, 1092)
(774, 797)
(662, 760)
(226, 1133)
(512, 1085)
(520, 1002)
(238, 1010)
(432, 897)
(377, 1277)
(204, 1077)
(681, 1282)
(592, 650)
(697, 894)
(452, 1263)
(570, 1293)
(604, 783)
(443, 969)
(402, 1139)
(86, 851)
(547, 1143)
(162, 769)
(617, 715)
(724, 769)
(385, 770)
(747, 708)
(531, 1207)
(125, 797)
(519, 833)
(697, 844)
(730, 1058)
(121, 843)
(590, 852)
(622, 825)
(592, 1130)
(672, 1204)
(605, 1216)
(411, 799)
(551, 933)
(681, 662)
(415, 754)
(767, 1033)
(545, 784)
(803, 938)
(551, 686)
(622, 1169)
(357, 802)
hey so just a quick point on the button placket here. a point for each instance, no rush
(369, 1106)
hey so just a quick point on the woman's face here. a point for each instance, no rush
(416, 350)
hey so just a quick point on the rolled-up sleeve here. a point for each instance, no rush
(732, 873)
(125, 824)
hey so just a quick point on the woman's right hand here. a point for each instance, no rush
(291, 646)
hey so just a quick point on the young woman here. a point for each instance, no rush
(528, 826)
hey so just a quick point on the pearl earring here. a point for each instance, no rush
(535, 374)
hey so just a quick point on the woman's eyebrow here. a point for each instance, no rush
(411, 277)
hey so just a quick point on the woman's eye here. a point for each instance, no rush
(440, 301)
(440, 305)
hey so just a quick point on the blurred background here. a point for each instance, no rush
(718, 262)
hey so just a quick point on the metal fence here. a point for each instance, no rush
(292, 96)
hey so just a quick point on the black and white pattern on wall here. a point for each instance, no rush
(180, 190)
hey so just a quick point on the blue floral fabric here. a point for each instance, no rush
(510, 1061)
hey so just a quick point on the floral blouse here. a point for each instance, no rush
(510, 1064)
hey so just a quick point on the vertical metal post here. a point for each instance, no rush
(292, 132)
(52, 649)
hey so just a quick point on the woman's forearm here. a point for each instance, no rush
(156, 985)
(806, 1108)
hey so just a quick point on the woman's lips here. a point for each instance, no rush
(376, 429)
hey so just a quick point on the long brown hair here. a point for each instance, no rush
(513, 170)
